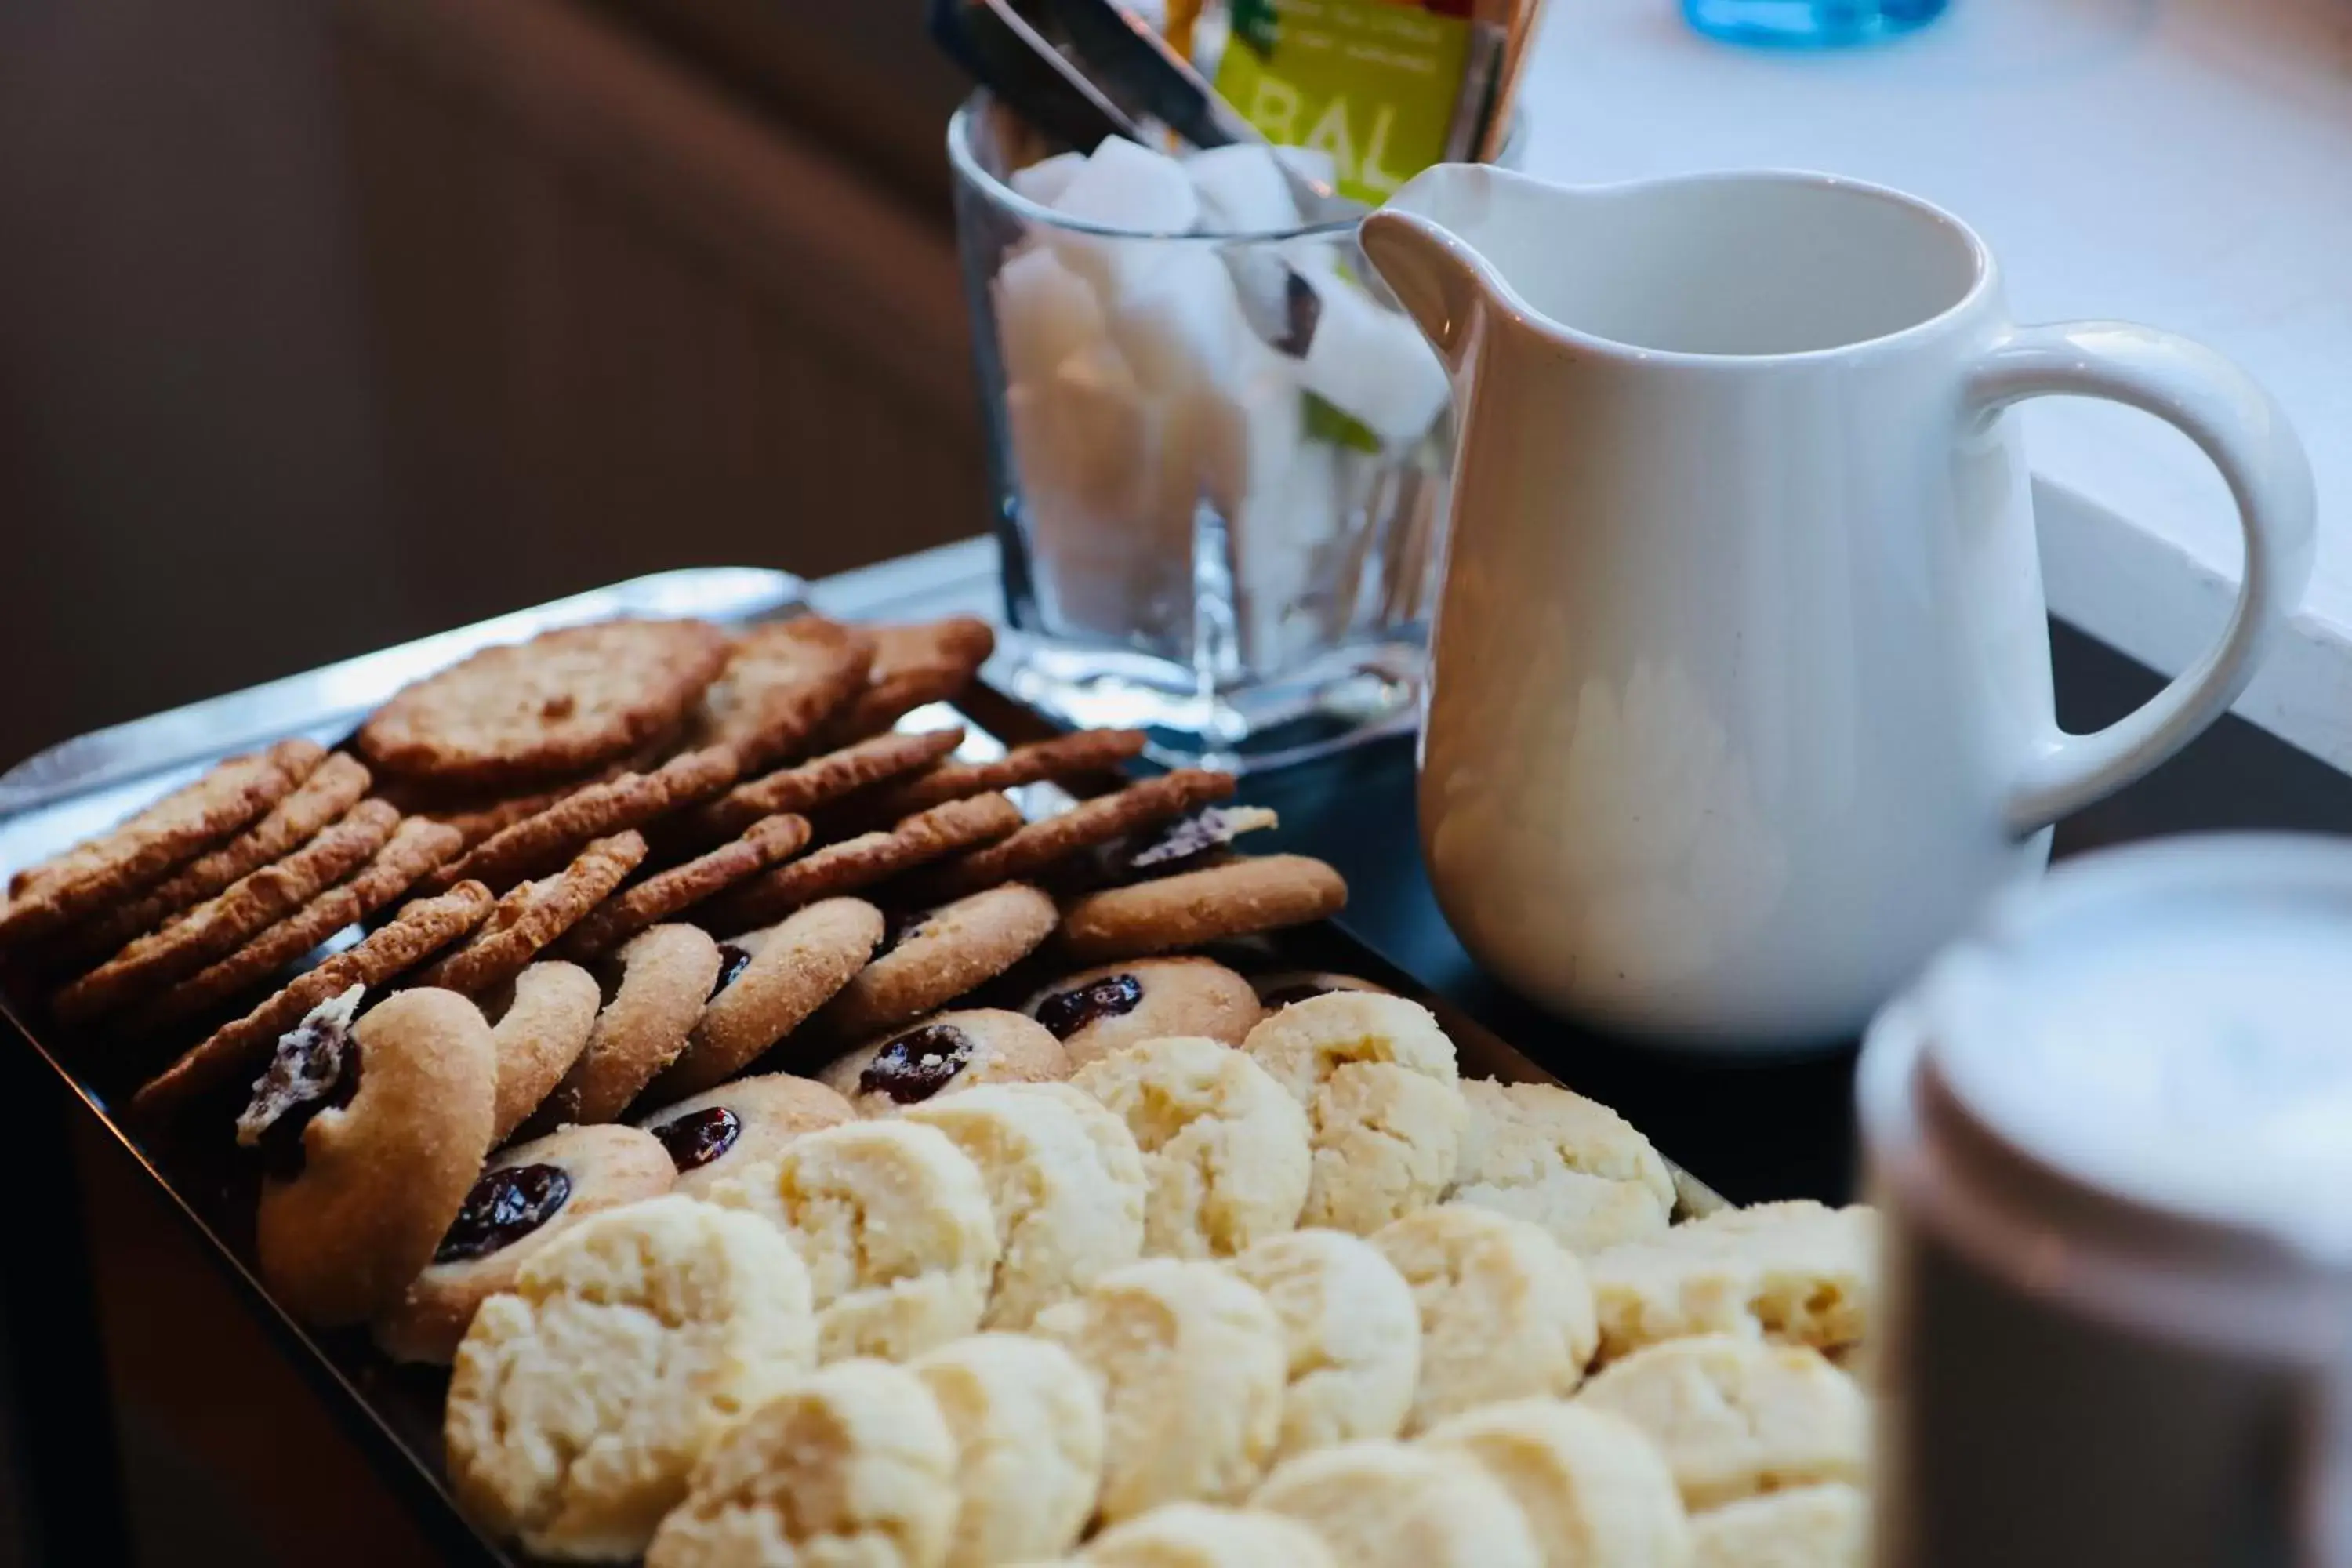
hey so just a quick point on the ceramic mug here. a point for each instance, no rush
(1740, 698)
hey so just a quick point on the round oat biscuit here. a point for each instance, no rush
(1064, 1214)
(658, 981)
(718, 1134)
(1278, 989)
(1100, 1011)
(1028, 1430)
(1736, 1416)
(562, 702)
(913, 665)
(667, 894)
(1797, 1271)
(1503, 1312)
(1203, 1535)
(1080, 754)
(225, 921)
(415, 846)
(853, 1467)
(858, 863)
(1190, 1361)
(538, 843)
(895, 1227)
(1224, 1148)
(1389, 1505)
(529, 1197)
(1352, 1331)
(1536, 1151)
(629, 1347)
(820, 780)
(782, 680)
(931, 958)
(370, 1133)
(1597, 1493)
(1104, 818)
(144, 848)
(770, 981)
(1242, 897)
(1804, 1527)
(533, 914)
(422, 927)
(944, 1053)
(540, 1024)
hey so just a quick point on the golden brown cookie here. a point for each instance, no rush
(1106, 819)
(422, 927)
(1278, 988)
(370, 1133)
(913, 665)
(245, 909)
(562, 702)
(818, 781)
(770, 981)
(667, 893)
(540, 1024)
(860, 862)
(144, 849)
(658, 981)
(1072, 756)
(613, 806)
(716, 1134)
(1240, 898)
(932, 957)
(781, 680)
(941, 1054)
(533, 914)
(529, 1196)
(415, 846)
(1098, 1011)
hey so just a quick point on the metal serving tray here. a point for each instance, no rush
(66, 793)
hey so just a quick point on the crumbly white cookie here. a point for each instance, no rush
(1796, 1271)
(581, 1402)
(1537, 1151)
(1028, 1427)
(1203, 1535)
(1597, 1493)
(1065, 1215)
(1225, 1147)
(1303, 1043)
(1381, 1504)
(1353, 1333)
(1805, 1527)
(895, 1227)
(854, 1463)
(1735, 1417)
(1505, 1312)
(1190, 1361)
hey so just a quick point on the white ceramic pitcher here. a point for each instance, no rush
(1740, 703)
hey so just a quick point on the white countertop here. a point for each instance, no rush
(2183, 162)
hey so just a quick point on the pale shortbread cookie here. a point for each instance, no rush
(1224, 1148)
(1203, 1535)
(582, 1401)
(1353, 1333)
(1064, 1214)
(1303, 1043)
(1735, 1417)
(1597, 1493)
(1381, 1504)
(852, 1465)
(1190, 1361)
(1796, 1271)
(1806, 1527)
(1536, 1151)
(893, 1225)
(1028, 1427)
(1505, 1312)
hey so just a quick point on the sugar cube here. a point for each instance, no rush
(1372, 363)
(1128, 187)
(1242, 190)
(1045, 314)
(1179, 327)
(1043, 181)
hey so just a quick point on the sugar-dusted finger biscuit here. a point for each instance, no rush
(1028, 1429)
(770, 981)
(1393, 1505)
(667, 894)
(1100, 1011)
(820, 780)
(1598, 1494)
(931, 957)
(718, 1134)
(1352, 1331)
(1796, 1271)
(858, 863)
(533, 914)
(593, 811)
(1050, 841)
(1075, 755)
(1242, 897)
(782, 680)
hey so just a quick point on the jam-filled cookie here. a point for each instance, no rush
(540, 1024)
(530, 1195)
(659, 980)
(718, 1133)
(942, 1054)
(931, 958)
(1098, 1011)
(770, 981)
(1240, 897)
(370, 1133)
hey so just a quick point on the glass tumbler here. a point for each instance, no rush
(1810, 23)
(1220, 465)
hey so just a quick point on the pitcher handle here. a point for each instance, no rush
(2246, 433)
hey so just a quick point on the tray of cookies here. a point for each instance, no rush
(715, 1085)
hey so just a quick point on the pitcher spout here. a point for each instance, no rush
(1417, 243)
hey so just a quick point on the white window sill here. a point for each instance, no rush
(2183, 162)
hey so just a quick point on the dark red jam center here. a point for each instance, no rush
(1064, 1013)
(505, 1206)
(699, 1136)
(917, 1064)
(733, 962)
